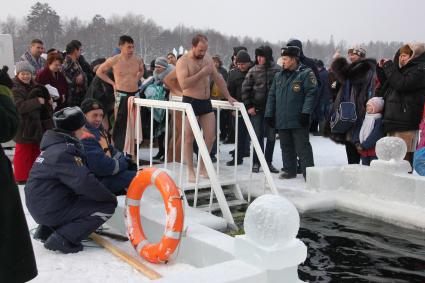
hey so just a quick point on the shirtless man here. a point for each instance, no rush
(128, 70)
(194, 70)
(173, 85)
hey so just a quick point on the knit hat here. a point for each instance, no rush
(4, 77)
(236, 49)
(161, 62)
(90, 104)
(69, 119)
(291, 51)
(24, 66)
(358, 50)
(377, 104)
(243, 57)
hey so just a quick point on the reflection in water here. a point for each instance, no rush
(343, 247)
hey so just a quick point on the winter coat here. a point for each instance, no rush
(38, 64)
(257, 84)
(72, 69)
(102, 92)
(403, 90)
(360, 75)
(375, 135)
(17, 261)
(234, 83)
(35, 118)
(102, 159)
(214, 90)
(324, 93)
(56, 80)
(291, 93)
(59, 177)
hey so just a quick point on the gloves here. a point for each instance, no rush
(132, 166)
(304, 120)
(270, 121)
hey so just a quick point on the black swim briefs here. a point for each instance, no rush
(200, 106)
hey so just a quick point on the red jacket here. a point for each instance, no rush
(57, 80)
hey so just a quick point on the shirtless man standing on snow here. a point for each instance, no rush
(128, 70)
(194, 71)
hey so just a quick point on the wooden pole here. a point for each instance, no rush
(148, 272)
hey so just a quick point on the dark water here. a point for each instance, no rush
(343, 247)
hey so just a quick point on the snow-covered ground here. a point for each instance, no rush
(95, 264)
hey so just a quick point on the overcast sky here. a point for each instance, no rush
(273, 20)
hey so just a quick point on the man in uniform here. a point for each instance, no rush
(61, 194)
(289, 107)
(111, 167)
(194, 71)
(128, 70)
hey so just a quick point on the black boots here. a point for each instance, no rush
(58, 243)
(42, 233)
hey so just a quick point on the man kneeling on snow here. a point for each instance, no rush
(111, 167)
(62, 195)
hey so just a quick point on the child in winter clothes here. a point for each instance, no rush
(419, 157)
(371, 130)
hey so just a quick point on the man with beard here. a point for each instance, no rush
(194, 70)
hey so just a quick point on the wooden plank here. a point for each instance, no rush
(145, 270)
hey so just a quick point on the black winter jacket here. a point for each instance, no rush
(403, 90)
(256, 85)
(234, 83)
(59, 177)
(17, 261)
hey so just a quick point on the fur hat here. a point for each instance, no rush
(69, 119)
(24, 66)
(291, 51)
(243, 57)
(358, 50)
(90, 104)
(161, 62)
(377, 104)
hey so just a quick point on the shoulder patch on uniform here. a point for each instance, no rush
(79, 161)
(312, 78)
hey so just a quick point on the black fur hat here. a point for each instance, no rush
(339, 68)
(69, 119)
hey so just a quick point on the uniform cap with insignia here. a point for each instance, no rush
(90, 104)
(69, 119)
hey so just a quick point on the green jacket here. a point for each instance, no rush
(291, 93)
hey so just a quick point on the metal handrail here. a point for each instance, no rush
(203, 151)
(255, 145)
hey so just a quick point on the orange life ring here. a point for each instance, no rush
(159, 252)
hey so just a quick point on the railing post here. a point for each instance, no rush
(151, 140)
(210, 167)
(138, 136)
(166, 139)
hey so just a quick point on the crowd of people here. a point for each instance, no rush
(69, 118)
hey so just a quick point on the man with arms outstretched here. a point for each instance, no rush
(194, 71)
(127, 69)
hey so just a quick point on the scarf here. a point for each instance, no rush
(368, 125)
